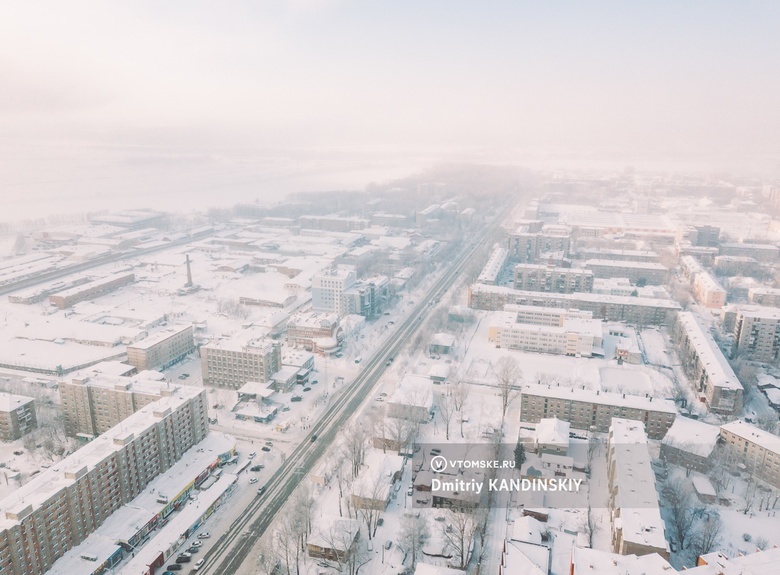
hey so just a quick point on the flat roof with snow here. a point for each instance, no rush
(719, 372)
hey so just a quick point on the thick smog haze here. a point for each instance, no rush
(200, 104)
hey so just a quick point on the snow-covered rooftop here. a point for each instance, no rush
(603, 398)
(753, 434)
(719, 372)
(692, 436)
(552, 431)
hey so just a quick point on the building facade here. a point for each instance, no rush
(631, 310)
(231, 364)
(162, 350)
(306, 330)
(706, 366)
(636, 272)
(61, 506)
(542, 278)
(757, 333)
(707, 290)
(17, 416)
(756, 449)
(96, 288)
(584, 409)
(327, 291)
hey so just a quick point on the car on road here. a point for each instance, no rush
(199, 564)
(258, 467)
(204, 535)
(261, 490)
(196, 544)
(269, 443)
(185, 554)
(388, 362)
(314, 438)
(410, 491)
(380, 398)
(313, 382)
(192, 550)
(383, 394)
(253, 480)
(358, 359)
(296, 398)
(286, 408)
(251, 455)
(307, 389)
(265, 448)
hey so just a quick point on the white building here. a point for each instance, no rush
(327, 291)
(577, 337)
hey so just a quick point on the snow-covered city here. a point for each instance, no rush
(341, 287)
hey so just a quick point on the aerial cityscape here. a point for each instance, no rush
(320, 288)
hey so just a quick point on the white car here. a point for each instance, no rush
(196, 544)
(253, 480)
(199, 564)
(204, 535)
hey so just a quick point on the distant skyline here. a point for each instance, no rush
(140, 97)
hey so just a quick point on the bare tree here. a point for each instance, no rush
(370, 501)
(268, 562)
(762, 543)
(590, 525)
(414, 535)
(460, 393)
(354, 445)
(286, 541)
(508, 374)
(446, 406)
(707, 535)
(460, 529)
(681, 509)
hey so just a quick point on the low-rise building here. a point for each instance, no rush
(767, 253)
(162, 349)
(576, 337)
(17, 416)
(586, 409)
(635, 516)
(67, 298)
(412, 399)
(764, 296)
(690, 444)
(552, 436)
(493, 267)
(706, 366)
(308, 330)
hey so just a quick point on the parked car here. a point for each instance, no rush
(181, 559)
(204, 535)
(256, 467)
(196, 544)
(193, 550)
(253, 480)
(185, 554)
(251, 455)
(174, 567)
(265, 448)
(296, 398)
(269, 443)
(307, 389)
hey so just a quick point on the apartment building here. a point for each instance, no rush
(769, 297)
(766, 253)
(757, 333)
(314, 331)
(737, 265)
(163, 349)
(691, 267)
(528, 247)
(635, 516)
(602, 254)
(575, 337)
(366, 297)
(585, 408)
(93, 404)
(636, 272)
(327, 291)
(706, 366)
(17, 416)
(631, 310)
(537, 277)
(67, 298)
(58, 508)
(333, 223)
(700, 236)
(756, 449)
(707, 290)
(493, 267)
(232, 363)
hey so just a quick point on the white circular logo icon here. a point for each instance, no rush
(438, 464)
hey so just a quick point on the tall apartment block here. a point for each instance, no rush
(529, 247)
(60, 507)
(757, 333)
(17, 416)
(584, 409)
(637, 272)
(91, 405)
(634, 511)
(162, 349)
(232, 363)
(536, 277)
(757, 450)
(632, 310)
(327, 291)
(706, 366)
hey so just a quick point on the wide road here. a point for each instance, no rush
(233, 546)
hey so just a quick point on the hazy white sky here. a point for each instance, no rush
(655, 81)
